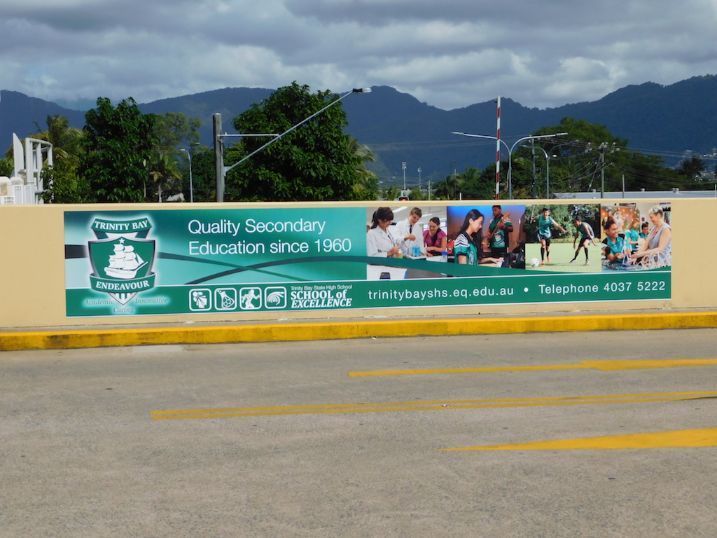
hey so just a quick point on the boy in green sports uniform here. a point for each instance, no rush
(498, 233)
(546, 223)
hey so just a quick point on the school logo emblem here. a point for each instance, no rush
(122, 258)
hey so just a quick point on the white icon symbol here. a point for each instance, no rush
(275, 297)
(200, 299)
(225, 299)
(125, 262)
(250, 298)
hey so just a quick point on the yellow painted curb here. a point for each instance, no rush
(296, 331)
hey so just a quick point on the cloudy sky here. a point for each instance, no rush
(449, 53)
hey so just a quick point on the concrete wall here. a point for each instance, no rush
(32, 289)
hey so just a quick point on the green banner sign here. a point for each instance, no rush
(295, 259)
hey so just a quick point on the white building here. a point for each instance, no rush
(26, 185)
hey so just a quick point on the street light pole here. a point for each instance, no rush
(547, 171)
(191, 187)
(510, 150)
(510, 162)
(403, 169)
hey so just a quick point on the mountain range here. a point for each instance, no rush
(665, 120)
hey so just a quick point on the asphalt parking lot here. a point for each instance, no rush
(576, 434)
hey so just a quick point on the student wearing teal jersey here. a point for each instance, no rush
(466, 246)
(632, 236)
(615, 247)
(499, 231)
(546, 223)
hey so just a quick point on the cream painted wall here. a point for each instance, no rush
(32, 293)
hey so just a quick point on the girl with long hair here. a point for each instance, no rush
(467, 245)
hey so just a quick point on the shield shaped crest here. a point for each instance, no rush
(122, 266)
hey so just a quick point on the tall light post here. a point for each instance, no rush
(191, 187)
(222, 170)
(510, 150)
(547, 171)
(419, 178)
(403, 169)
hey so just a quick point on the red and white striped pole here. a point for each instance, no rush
(497, 150)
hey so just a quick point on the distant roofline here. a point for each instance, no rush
(674, 193)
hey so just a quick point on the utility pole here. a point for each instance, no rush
(532, 150)
(218, 155)
(497, 149)
(602, 148)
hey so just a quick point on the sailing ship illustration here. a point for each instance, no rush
(125, 263)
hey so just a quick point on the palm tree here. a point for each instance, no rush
(62, 184)
(164, 173)
(66, 141)
(366, 185)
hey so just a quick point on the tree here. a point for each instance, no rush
(63, 185)
(448, 189)
(416, 194)
(691, 167)
(6, 167)
(171, 131)
(390, 193)
(317, 161)
(477, 185)
(62, 182)
(471, 184)
(163, 172)
(117, 142)
(175, 129)
(366, 185)
(203, 175)
(589, 151)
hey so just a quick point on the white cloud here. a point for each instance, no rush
(449, 54)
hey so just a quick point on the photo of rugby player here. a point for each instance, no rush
(563, 238)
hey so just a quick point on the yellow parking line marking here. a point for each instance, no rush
(426, 405)
(601, 365)
(706, 437)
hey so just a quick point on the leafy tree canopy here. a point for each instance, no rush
(6, 167)
(580, 160)
(117, 146)
(317, 161)
(174, 130)
(62, 184)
